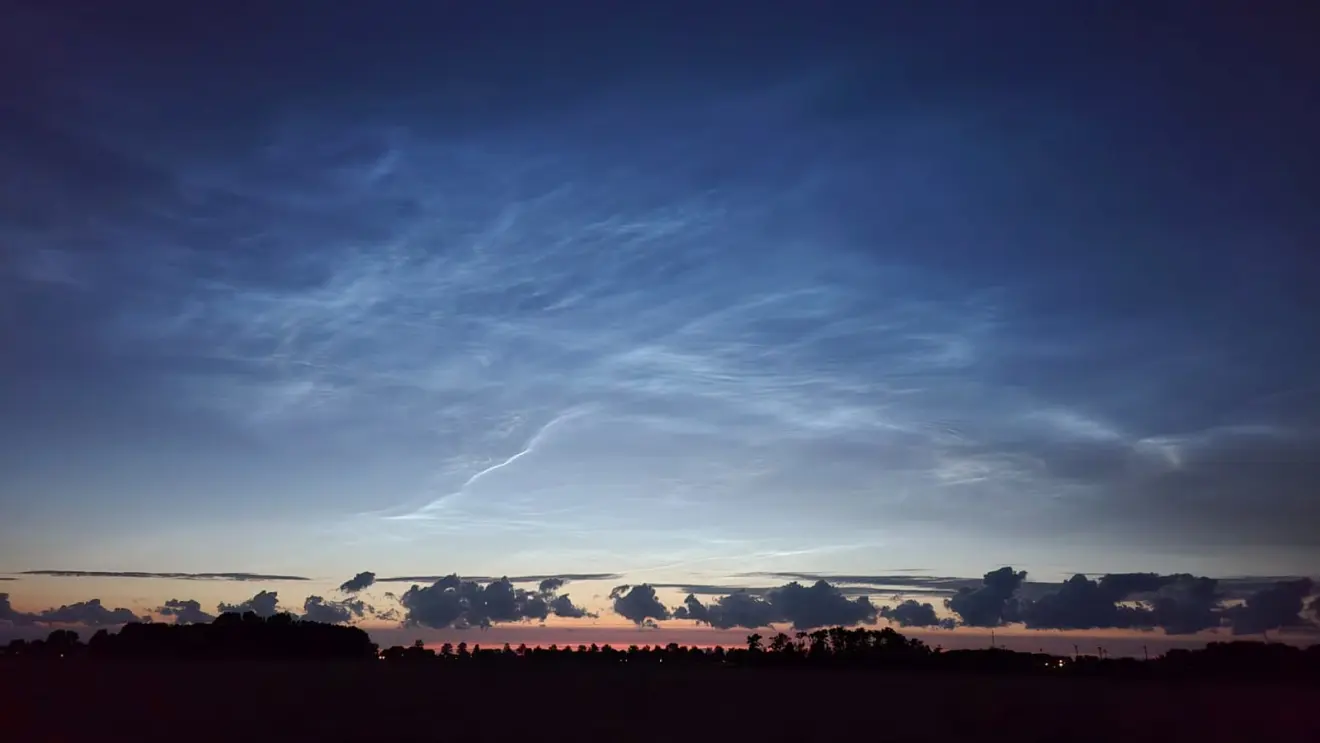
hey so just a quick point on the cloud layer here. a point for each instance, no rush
(1177, 604)
(244, 577)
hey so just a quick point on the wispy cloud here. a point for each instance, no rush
(670, 324)
(565, 577)
(246, 577)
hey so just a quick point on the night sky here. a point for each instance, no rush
(694, 295)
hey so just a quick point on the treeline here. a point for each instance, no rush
(843, 648)
(231, 636)
(283, 637)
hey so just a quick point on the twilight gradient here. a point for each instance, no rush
(674, 292)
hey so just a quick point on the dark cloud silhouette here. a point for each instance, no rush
(565, 577)
(912, 613)
(90, 613)
(1082, 603)
(174, 576)
(1178, 604)
(1271, 608)
(820, 605)
(184, 612)
(992, 603)
(9, 614)
(264, 604)
(638, 603)
(1187, 605)
(804, 607)
(444, 604)
(738, 609)
(360, 582)
(317, 609)
(454, 602)
(563, 606)
(550, 585)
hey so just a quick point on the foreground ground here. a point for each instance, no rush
(251, 702)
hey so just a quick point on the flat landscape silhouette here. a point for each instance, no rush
(282, 678)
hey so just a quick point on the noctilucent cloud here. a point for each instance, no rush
(672, 292)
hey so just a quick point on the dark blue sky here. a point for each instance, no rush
(669, 291)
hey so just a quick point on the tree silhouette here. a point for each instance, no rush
(754, 642)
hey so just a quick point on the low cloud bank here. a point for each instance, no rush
(1177, 604)
(455, 602)
(90, 613)
(804, 607)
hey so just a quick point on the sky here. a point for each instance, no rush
(687, 296)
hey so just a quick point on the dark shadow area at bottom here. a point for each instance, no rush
(243, 700)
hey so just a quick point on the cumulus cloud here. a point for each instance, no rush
(1082, 603)
(1187, 605)
(738, 609)
(264, 604)
(563, 606)
(992, 603)
(804, 607)
(317, 609)
(184, 612)
(1271, 608)
(360, 582)
(638, 603)
(1178, 604)
(913, 613)
(454, 602)
(172, 576)
(9, 614)
(90, 613)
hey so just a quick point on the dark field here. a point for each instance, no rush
(260, 702)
